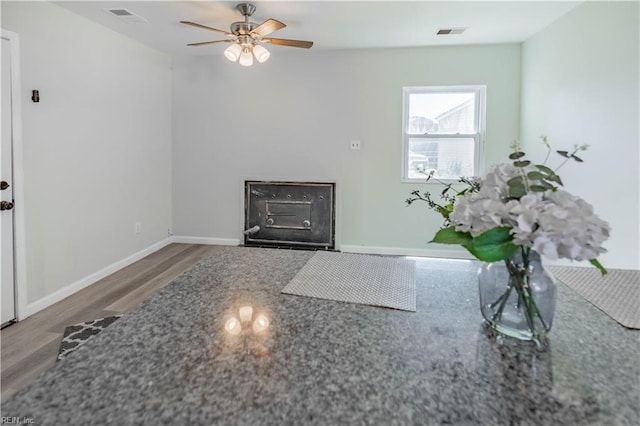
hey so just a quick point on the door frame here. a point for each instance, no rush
(19, 234)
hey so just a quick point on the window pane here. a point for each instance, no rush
(442, 113)
(450, 158)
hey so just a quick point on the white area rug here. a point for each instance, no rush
(617, 294)
(357, 278)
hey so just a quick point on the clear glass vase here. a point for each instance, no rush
(518, 296)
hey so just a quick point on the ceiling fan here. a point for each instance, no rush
(247, 37)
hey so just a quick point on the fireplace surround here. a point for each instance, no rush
(290, 214)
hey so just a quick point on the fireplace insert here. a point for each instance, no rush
(290, 214)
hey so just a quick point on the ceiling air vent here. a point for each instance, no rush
(450, 31)
(127, 15)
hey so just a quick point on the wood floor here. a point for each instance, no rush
(30, 347)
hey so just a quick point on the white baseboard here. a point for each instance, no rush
(206, 240)
(401, 251)
(392, 251)
(72, 288)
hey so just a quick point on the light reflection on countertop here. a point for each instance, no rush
(245, 319)
(222, 345)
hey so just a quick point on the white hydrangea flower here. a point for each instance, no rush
(476, 214)
(555, 224)
(523, 217)
(569, 223)
(495, 181)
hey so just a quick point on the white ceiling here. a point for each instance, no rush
(330, 24)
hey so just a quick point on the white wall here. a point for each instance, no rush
(97, 148)
(580, 85)
(293, 117)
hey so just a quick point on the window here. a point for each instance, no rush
(443, 131)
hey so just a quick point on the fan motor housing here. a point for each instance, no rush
(240, 28)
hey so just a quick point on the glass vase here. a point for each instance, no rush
(518, 296)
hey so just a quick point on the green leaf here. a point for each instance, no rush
(598, 265)
(522, 163)
(564, 153)
(547, 185)
(492, 245)
(516, 155)
(537, 188)
(517, 190)
(550, 174)
(544, 169)
(535, 176)
(443, 211)
(451, 236)
(515, 180)
(554, 178)
(494, 235)
(578, 159)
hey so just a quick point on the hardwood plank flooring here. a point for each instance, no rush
(30, 347)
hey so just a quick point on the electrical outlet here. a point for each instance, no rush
(137, 227)
(355, 145)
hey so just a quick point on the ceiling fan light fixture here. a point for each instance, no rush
(261, 53)
(247, 37)
(246, 58)
(233, 52)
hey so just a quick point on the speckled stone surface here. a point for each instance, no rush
(171, 361)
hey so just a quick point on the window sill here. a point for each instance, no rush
(433, 181)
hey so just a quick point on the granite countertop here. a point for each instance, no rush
(179, 358)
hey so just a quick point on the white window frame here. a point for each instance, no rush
(478, 137)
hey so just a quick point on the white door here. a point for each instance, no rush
(7, 309)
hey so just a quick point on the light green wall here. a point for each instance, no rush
(293, 116)
(580, 85)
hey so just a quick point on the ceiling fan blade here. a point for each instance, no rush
(202, 43)
(287, 42)
(267, 27)
(204, 27)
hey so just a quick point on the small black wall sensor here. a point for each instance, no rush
(35, 96)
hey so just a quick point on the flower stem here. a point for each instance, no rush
(503, 301)
(519, 277)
